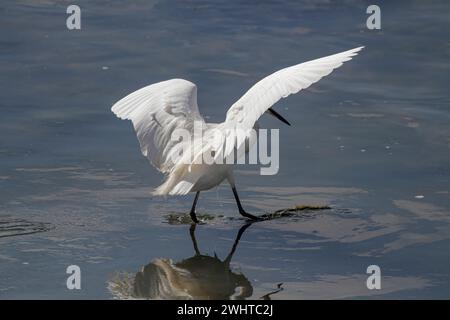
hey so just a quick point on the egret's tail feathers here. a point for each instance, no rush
(162, 190)
(179, 182)
(183, 187)
(172, 181)
(168, 188)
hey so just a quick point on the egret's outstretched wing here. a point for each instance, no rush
(156, 111)
(281, 84)
(242, 115)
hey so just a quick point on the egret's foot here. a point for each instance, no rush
(193, 216)
(249, 216)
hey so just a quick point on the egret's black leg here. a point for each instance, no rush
(241, 210)
(194, 240)
(236, 242)
(192, 213)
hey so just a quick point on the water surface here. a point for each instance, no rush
(372, 141)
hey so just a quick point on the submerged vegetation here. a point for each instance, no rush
(298, 210)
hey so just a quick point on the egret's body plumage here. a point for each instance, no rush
(158, 110)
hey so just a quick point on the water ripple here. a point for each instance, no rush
(10, 226)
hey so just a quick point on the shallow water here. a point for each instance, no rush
(372, 141)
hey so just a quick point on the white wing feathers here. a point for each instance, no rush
(243, 114)
(281, 84)
(156, 111)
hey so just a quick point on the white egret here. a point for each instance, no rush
(157, 110)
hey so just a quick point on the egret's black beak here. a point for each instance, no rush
(278, 116)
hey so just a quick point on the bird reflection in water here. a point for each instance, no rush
(198, 277)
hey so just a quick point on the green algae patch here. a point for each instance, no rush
(294, 211)
(180, 219)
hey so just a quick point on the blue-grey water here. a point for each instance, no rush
(372, 141)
